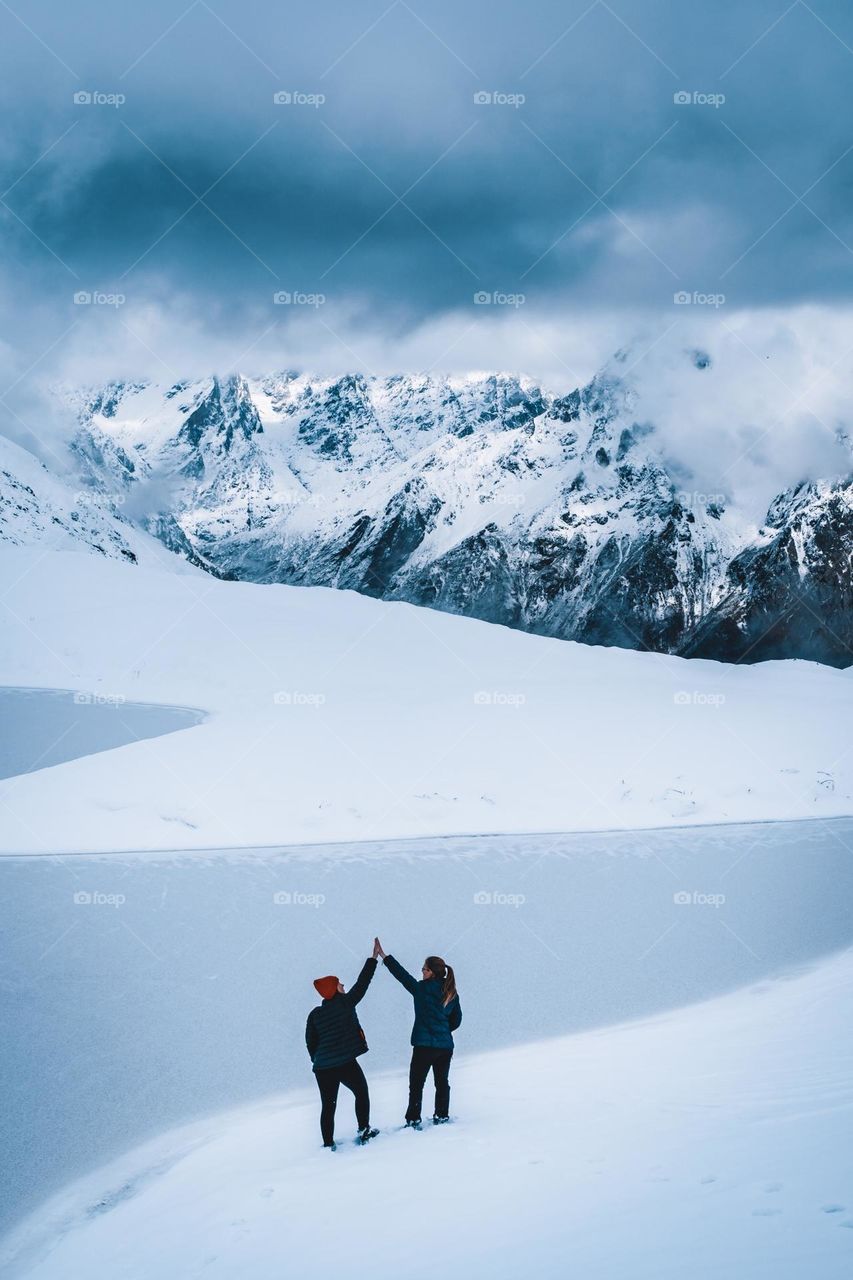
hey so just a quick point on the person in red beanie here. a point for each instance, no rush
(334, 1039)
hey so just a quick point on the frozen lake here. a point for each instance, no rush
(141, 991)
(43, 727)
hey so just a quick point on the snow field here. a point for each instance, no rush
(336, 717)
(710, 1141)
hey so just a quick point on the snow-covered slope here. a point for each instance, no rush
(713, 1141)
(334, 716)
(486, 496)
(39, 509)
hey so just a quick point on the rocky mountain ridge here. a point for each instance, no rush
(486, 496)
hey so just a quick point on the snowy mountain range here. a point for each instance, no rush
(484, 496)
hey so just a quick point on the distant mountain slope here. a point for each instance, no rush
(38, 508)
(790, 592)
(483, 496)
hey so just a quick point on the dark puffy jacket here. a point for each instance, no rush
(434, 1020)
(333, 1033)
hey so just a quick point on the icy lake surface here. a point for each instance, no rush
(43, 727)
(141, 991)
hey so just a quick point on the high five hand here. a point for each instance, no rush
(377, 949)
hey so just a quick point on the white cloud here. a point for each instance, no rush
(765, 413)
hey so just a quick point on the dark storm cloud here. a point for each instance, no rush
(494, 195)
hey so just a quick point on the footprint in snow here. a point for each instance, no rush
(832, 1208)
(267, 1192)
(766, 1213)
(773, 1186)
(710, 1178)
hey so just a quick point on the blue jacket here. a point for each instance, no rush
(435, 1021)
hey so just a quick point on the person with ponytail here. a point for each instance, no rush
(438, 1013)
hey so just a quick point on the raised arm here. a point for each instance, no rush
(358, 990)
(394, 967)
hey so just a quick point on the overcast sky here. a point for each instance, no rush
(631, 150)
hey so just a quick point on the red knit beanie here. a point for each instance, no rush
(327, 987)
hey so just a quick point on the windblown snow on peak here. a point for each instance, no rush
(489, 496)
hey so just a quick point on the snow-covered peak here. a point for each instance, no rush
(557, 511)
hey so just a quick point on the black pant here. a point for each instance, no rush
(329, 1079)
(422, 1060)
